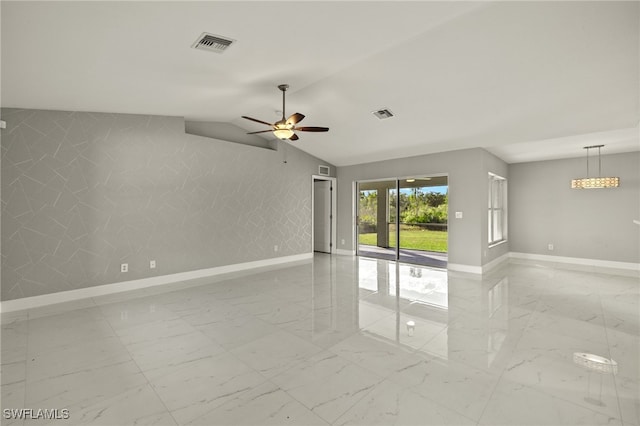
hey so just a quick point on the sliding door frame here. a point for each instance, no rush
(356, 206)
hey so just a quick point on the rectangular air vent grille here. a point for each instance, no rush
(212, 42)
(382, 114)
(324, 170)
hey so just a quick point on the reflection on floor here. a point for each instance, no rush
(416, 257)
(337, 340)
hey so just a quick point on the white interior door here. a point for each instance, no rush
(322, 216)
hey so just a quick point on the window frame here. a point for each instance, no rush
(497, 210)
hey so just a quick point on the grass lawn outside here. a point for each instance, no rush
(412, 237)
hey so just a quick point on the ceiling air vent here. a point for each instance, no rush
(382, 114)
(212, 42)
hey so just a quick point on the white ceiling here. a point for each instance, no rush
(525, 80)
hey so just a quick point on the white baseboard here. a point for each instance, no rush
(487, 267)
(596, 264)
(464, 268)
(344, 252)
(577, 261)
(84, 293)
(101, 290)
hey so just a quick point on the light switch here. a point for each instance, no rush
(458, 215)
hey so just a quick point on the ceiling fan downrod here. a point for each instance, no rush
(283, 88)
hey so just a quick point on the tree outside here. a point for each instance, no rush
(423, 218)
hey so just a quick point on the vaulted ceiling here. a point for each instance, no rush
(525, 80)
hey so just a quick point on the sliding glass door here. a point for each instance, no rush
(404, 219)
(376, 219)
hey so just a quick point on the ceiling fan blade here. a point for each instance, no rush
(256, 120)
(312, 129)
(261, 131)
(295, 118)
(294, 137)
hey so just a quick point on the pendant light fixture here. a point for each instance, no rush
(595, 182)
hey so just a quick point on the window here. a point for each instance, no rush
(497, 209)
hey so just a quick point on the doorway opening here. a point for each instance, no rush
(323, 214)
(404, 219)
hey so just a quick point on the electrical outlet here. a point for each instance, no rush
(550, 247)
(152, 264)
(124, 267)
(275, 248)
(342, 241)
(458, 215)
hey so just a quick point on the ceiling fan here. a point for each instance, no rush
(284, 129)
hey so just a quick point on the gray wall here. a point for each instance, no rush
(592, 224)
(84, 192)
(468, 185)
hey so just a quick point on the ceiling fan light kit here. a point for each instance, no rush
(285, 128)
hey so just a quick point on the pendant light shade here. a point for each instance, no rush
(595, 182)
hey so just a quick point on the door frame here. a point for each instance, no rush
(334, 211)
(355, 206)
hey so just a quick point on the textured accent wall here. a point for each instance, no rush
(84, 192)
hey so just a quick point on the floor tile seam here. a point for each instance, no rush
(11, 347)
(62, 312)
(420, 349)
(38, 381)
(232, 348)
(210, 339)
(24, 379)
(183, 315)
(364, 367)
(54, 345)
(357, 400)
(438, 403)
(168, 337)
(381, 379)
(542, 389)
(32, 311)
(308, 312)
(368, 326)
(24, 386)
(224, 349)
(113, 397)
(72, 344)
(133, 326)
(26, 363)
(228, 316)
(290, 366)
(566, 321)
(501, 375)
(270, 380)
(414, 388)
(610, 354)
(216, 408)
(247, 312)
(283, 303)
(560, 398)
(146, 378)
(154, 322)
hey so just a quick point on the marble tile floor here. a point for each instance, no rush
(337, 341)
